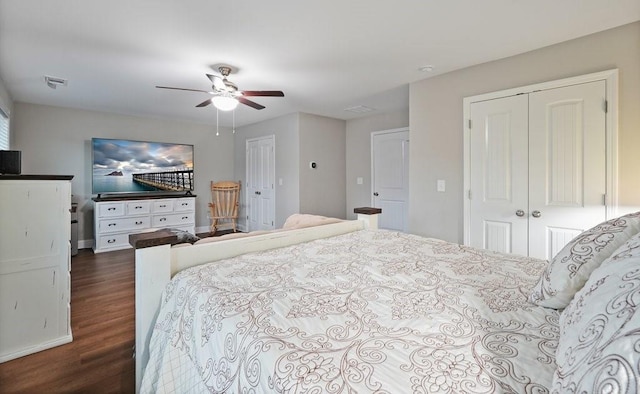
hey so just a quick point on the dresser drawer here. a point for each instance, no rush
(173, 220)
(138, 208)
(113, 241)
(160, 206)
(123, 224)
(184, 204)
(109, 209)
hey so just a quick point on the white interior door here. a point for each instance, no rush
(499, 175)
(390, 175)
(567, 164)
(260, 195)
(537, 169)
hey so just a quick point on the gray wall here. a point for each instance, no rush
(57, 140)
(322, 190)
(436, 119)
(299, 139)
(287, 149)
(358, 147)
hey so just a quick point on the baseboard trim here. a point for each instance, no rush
(37, 348)
(85, 244)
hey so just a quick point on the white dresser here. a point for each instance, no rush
(115, 219)
(35, 263)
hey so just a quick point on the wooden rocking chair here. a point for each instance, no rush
(224, 204)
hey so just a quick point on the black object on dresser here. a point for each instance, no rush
(10, 161)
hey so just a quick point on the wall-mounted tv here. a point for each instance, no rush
(126, 166)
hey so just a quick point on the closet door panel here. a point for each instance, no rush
(499, 180)
(567, 164)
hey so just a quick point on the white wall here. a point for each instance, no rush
(358, 148)
(56, 140)
(322, 190)
(287, 143)
(436, 122)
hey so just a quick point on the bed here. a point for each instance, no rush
(347, 308)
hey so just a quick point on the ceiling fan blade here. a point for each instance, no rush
(218, 82)
(250, 103)
(264, 93)
(188, 90)
(204, 103)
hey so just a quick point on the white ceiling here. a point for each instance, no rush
(325, 55)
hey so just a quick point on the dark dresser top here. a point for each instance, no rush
(34, 177)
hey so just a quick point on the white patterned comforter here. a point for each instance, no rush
(364, 312)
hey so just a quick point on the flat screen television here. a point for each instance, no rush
(126, 166)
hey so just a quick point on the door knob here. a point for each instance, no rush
(536, 214)
(520, 213)
(375, 194)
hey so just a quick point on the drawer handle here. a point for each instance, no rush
(138, 223)
(163, 219)
(112, 224)
(111, 241)
(111, 209)
(185, 203)
(138, 207)
(185, 217)
(163, 206)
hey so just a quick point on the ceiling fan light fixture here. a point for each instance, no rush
(224, 103)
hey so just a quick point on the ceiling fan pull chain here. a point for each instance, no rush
(234, 121)
(217, 125)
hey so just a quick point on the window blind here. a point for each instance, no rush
(4, 131)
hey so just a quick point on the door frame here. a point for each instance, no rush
(272, 170)
(611, 140)
(373, 186)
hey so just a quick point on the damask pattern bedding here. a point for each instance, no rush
(370, 311)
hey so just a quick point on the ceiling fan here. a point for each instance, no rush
(226, 95)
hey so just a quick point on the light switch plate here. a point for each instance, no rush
(359, 180)
(441, 185)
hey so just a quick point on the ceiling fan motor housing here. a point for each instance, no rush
(224, 70)
(223, 88)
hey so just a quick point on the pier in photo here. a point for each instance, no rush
(168, 180)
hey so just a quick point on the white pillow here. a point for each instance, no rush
(304, 220)
(599, 347)
(570, 268)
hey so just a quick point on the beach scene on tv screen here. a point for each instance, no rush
(122, 166)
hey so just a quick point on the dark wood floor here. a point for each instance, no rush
(99, 360)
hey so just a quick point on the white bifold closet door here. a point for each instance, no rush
(538, 169)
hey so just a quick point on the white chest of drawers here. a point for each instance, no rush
(35, 263)
(114, 220)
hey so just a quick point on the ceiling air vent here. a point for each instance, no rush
(54, 82)
(360, 109)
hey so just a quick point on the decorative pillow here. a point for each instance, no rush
(631, 248)
(570, 268)
(303, 220)
(183, 236)
(599, 345)
(222, 238)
